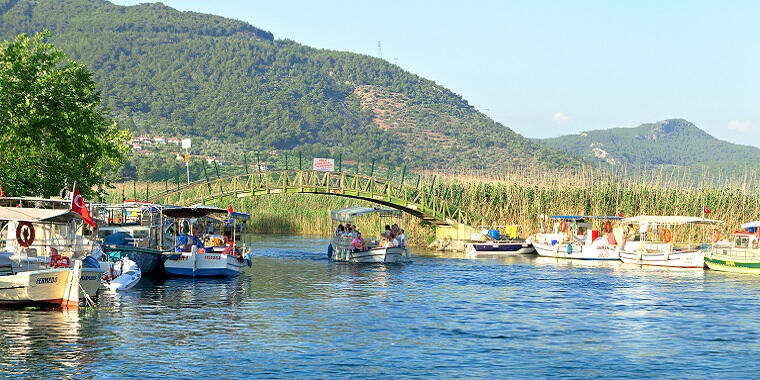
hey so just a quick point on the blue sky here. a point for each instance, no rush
(545, 68)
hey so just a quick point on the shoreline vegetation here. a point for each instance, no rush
(519, 197)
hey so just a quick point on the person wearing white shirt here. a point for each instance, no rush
(643, 231)
(402, 239)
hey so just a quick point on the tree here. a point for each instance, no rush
(53, 130)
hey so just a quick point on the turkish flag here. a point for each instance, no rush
(706, 210)
(619, 214)
(78, 206)
(229, 209)
(2, 193)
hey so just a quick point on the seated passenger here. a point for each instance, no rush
(358, 243)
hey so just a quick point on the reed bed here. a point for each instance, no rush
(516, 196)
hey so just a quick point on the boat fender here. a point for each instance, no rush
(25, 234)
(329, 251)
(607, 226)
(248, 259)
(666, 235)
(562, 226)
(569, 248)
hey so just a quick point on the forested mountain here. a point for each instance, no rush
(162, 71)
(674, 142)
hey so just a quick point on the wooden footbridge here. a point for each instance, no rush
(423, 203)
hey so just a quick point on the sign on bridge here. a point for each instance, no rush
(324, 164)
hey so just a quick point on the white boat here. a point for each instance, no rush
(574, 237)
(659, 249)
(192, 258)
(493, 243)
(36, 239)
(47, 287)
(742, 255)
(375, 252)
(126, 274)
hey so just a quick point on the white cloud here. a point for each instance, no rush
(560, 118)
(741, 125)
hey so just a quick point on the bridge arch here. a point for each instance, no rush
(410, 199)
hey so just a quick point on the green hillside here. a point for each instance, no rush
(179, 74)
(674, 142)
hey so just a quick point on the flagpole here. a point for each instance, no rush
(71, 195)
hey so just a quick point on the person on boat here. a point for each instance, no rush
(396, 242)
(643, 231)
(395, 230)
(402, 238)
(358, 243)
(387, 230)
(339, 231)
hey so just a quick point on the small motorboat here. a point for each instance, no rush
(126, 274)
(375, 251)
(496, 245)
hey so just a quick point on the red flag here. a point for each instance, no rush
(229, 209)
(619, 214)
(2, 193)
(78, 206)
(706, 210)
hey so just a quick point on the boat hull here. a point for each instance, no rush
(579, 252)
(499, 248)
(43, 287)
(203, 264)
(150, 261)
(386, 255)
(677, 259)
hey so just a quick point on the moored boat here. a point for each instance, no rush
(191, 257)
(742, 255)
(136, 230)
(493, 243)
(659, 249)
(574, 237)
(34, 239)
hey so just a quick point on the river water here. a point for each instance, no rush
(297, 315)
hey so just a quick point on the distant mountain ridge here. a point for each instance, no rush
(675, 142)
(235, 86)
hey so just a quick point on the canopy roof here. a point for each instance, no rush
(670, 220)
(347, 215)
(38, 215)
(752, 224)
(192, 212)
(241, 215)
(579, 217)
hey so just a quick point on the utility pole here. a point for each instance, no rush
(379, 50)
(186, 143)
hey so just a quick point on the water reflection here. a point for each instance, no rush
(296, 314)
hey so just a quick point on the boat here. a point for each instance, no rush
(191, 257)
(33, 239)
(742, 255)
(376, 251)
(574, 237)
(659, 248)
(137, 230)
(58, 287)
(496, 244)
(126, 274)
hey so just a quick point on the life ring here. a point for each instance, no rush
(715, 236)
(25, 234)
(666, 235)
(562, 226)
(607, 226)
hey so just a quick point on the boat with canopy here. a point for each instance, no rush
(35, 239)
(659, 247)
(742, 255)
(373, 251)
(581, 237)
(191, 257)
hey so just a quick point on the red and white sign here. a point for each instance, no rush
(324, 164)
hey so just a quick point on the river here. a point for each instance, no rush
(297, 315)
